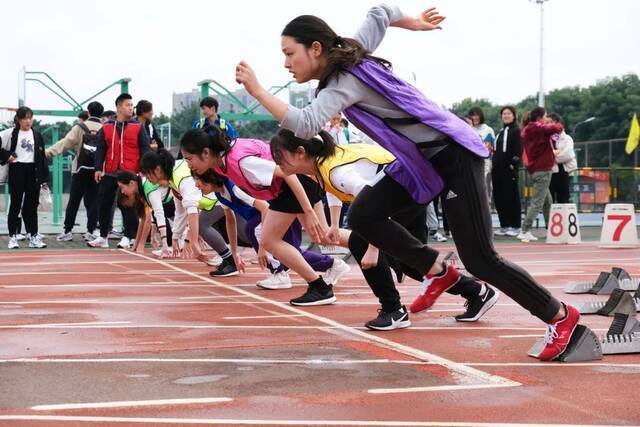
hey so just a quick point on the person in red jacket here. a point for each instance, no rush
(121, 144)
(538, 160)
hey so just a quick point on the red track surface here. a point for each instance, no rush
(179, 335)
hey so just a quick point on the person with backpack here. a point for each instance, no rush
(209, 109)
(22, 148)
(82, 139)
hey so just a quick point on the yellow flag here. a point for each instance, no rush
(634, 135)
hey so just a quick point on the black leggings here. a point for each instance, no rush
(25, 192)
(107, 190)
(468, 215)
(379, 277)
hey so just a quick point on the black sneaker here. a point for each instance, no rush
(315, 296)
(478, 306)
(226, 269)
(388, 321)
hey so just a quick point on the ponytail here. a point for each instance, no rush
(341, 53)
(126, 177)
(194, 141)
(320, 146)
(152, 159)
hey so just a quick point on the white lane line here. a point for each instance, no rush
(130, 403)
(273, 316)
(105, 285)
(46, 326)
(521, 336)
(213, 297)
(210, 360)
(92, 273)
(198, 300)
(309, 362)
(458, 368)
(274, 327)
(432, 388)
(557, 365)
(231, 421)
(64, 325)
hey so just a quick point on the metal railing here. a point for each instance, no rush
(592, 188)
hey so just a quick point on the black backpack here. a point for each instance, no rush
(87, 154)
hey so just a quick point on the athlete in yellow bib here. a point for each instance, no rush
(345, 171)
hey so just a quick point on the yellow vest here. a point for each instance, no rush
(181, 171)
(351, 153)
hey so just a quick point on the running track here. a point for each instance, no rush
(113, 338)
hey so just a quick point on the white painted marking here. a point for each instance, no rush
(213, 297)
(230, 421)
(92, 273)
(520, 336)
(130, 403)
(210, 360)
(559, 365)
(432, 388)
(466, 371)
(285, 327)
(106, 285)
(273, 316)
(65, 325)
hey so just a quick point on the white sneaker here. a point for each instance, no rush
(437, 237)
(527, 237)
(89, 236)
(124, 243)
(512, 232)
(158, 252)
(13, 243)
(114, 234)
(215, 261)
(20, 237)
(279, 280)
(337, 270)
(500, 232)
(99, 242)
(64, 237)
(36, 242)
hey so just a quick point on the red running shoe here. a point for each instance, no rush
(558, 334)
(434, 287)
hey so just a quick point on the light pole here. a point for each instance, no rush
(541, 89)
(590, 119)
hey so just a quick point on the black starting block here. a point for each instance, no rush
(619, 302)
(618, 278)
(622, 337)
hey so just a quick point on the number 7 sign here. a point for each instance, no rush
(619, 226)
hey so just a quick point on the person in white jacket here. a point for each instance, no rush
(566, 162)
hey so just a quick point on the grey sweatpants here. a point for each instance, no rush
(540, 199)
(210, 235)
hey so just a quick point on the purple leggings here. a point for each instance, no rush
(293, 236)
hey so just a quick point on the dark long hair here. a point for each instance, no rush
(194, 141)
(210, 177)
(342, 53)
(143, 106)
(153, 159)
(22, 113)
(126, 177)
(321, 147)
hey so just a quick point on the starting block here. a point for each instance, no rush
(605, 284)
(623, 337)
(619, 302)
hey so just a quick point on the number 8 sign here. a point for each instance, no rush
(619, 228)
(563, 224)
